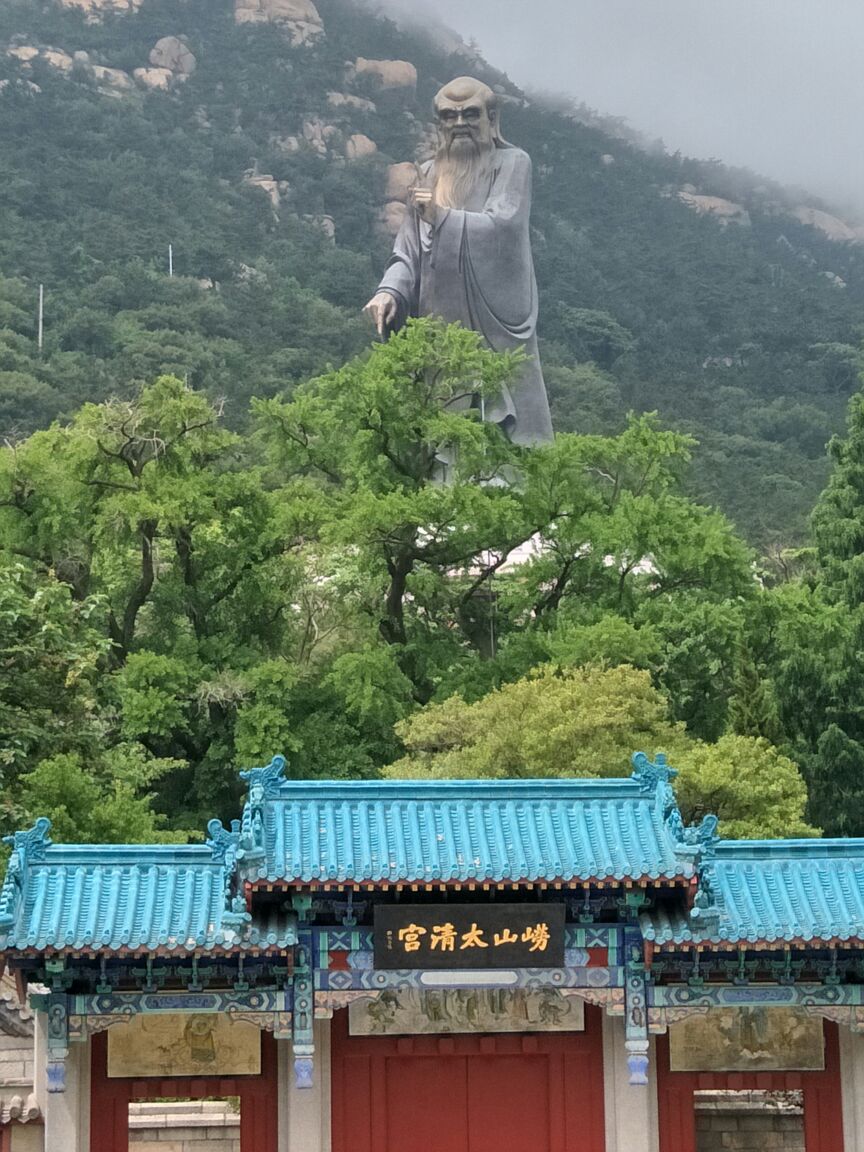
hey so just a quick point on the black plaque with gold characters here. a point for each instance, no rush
(469, 936)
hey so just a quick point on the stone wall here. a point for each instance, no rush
(16, 1063)
(748, 1124)
(189, 1126)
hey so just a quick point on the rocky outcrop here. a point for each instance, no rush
(318, 134)
(399, 75)
(172, 53)
(96, 10)
(401, 178)
(831, 226)
(23, 52)
(358, 147)
(300, 18)
(269, 185)
(112, 78)
(159, 79)
(325, 224)
(726, 211)
(7, 85)
(343, 100)
(60, 60)
(287, 145)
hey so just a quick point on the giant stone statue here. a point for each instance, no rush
(464, 251)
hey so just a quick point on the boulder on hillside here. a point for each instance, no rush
(358, 146)
(299, 17)
(401, 178)
(287, 145)
(393, 75)
(95, 10)
(318, 134)
(156, 78)
(355, 103)
(113, 78)
(325, 224)
(268, 185)
(387, 73)
(57, 59)
(170, 52)
(7, 85)
(726, 211)
(831, 226)
(24, 52)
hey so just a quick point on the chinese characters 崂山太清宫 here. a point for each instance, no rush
(445, 938)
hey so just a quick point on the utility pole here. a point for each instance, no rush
(171, 260)
(41, 335)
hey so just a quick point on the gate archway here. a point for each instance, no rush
(524, 1092)
(823, 1103)
(110, 1099)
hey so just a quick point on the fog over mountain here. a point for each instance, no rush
(775, 86)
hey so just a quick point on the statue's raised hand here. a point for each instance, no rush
(382, 310)
(423, 200)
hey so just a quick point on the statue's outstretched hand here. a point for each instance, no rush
(382, 311)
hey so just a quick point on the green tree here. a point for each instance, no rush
(472, 578)
(50, 648)
(816, 637)
(587, 722)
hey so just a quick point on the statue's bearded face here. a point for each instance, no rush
(467, 115)
(465, 127)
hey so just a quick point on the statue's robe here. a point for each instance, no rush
(475, 267)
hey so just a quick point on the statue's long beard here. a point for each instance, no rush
(459, 171)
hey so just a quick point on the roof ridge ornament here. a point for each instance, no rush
(708, 904)
(649, 774)
(34, 842)
(264, 784)
(656, 776)
(265, 780)
(223, 843)
(27, 848)
(704, 836)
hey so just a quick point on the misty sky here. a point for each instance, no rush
(775, 85)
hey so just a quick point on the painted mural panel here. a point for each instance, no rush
(747, 1040)
(194, 1044)
(412, 1012)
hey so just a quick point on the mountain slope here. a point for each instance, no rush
(264, 160)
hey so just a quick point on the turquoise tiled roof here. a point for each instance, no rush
(123, 897)
(413, 831)
(771, 892)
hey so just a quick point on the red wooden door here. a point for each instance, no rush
(823, 1103)
(110, 1099)
(532, 1092)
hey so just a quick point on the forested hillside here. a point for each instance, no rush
(262, 153)
(220, 532)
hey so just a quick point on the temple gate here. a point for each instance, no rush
(554, 966)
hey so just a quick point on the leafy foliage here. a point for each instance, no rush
(585, 722)
(182, 599)
(745, 336)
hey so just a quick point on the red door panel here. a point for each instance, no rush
(506, 1093)
(584, 1114)
(509, 1103)
(432, 1088)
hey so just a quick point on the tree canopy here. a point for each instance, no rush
(367, 581)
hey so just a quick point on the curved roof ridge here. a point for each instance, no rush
(811, 848)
